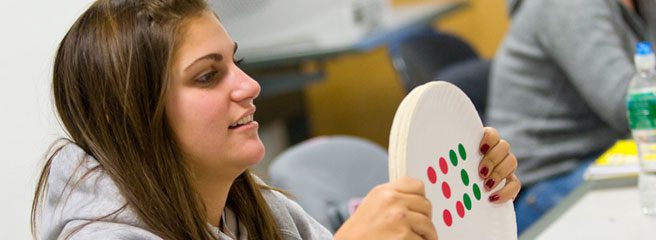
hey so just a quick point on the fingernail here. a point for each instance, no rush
(484, 172)
(484, 148)
(489, 183)
(493, 198)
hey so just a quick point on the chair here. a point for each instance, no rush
(323, 174)
(427, 55)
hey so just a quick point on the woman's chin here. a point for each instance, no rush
(254, 155)
(257, 159)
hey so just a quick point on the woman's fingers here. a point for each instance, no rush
(419, 209)
(420, 205)
(493, 158)
(498, 163)
(395, 210)
(508, 192)
(502, 170)
(411, 195)
(408, 185)
(489, 142)
(422, 226)
(490, 139)
(413, 225)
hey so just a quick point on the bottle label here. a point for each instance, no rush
(641, 108)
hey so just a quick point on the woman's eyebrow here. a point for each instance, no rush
(212, 56)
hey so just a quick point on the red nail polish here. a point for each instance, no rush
(484, 148)
(484, 171)
(489, 183)
(493, 198)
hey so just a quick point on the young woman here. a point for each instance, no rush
(161, 128)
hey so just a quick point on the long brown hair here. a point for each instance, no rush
(110, 81)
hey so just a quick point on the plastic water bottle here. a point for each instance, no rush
(641, 108)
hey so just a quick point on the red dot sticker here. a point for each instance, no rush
(460, 209)
(432, 177)
(446, 190)
(446, 215)
(443, 166)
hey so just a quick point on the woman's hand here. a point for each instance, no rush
(498, 163)
(394, 210)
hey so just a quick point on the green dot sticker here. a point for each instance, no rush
(453, 157)
(465, 177)
(461, 150)
(467, 201)
(477, 192)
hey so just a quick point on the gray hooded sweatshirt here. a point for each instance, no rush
(559, 80)
(65, 208)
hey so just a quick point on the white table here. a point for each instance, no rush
(602, 209)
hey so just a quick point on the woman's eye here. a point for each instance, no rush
(207, 78)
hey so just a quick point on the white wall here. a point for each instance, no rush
(29, 34)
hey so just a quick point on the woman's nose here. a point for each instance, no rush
(247, 88)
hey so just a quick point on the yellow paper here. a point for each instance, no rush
(620, 160)
(621, 153)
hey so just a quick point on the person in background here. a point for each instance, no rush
(558, 86)
(162, 135)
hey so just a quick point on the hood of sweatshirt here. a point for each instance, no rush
(73, 201)
(83, 201)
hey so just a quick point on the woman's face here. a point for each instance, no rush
(210, 102)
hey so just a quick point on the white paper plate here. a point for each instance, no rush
(435, 137)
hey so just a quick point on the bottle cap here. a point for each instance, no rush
(644, 57)
(643, 48)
